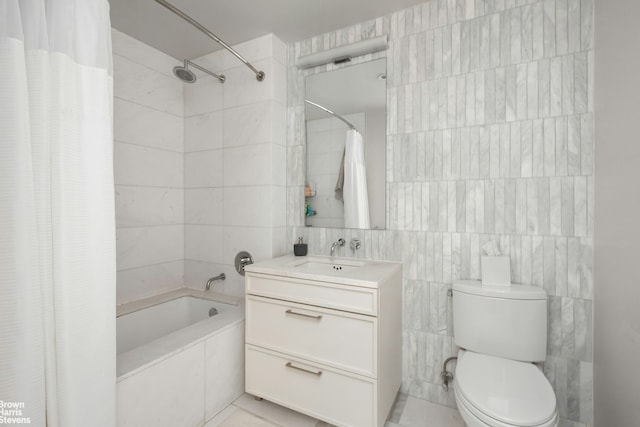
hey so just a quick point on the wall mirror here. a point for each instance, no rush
(346, 147)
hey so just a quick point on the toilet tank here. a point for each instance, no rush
(503, 321)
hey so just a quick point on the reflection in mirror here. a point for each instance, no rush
(346, 147)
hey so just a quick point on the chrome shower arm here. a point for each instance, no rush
(220, 77)
(181, 14)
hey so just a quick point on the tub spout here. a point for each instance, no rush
(220, 276)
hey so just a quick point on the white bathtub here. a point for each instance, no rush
(176, 365)
(143, 326)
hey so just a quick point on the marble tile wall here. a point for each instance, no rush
(234, 163)
(148, 130)
(200, 168)
(489, 136)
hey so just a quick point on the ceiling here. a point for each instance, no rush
(236, 21)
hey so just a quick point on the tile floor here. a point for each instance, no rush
(407, 412)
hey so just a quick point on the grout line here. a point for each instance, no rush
(149, 186)
(148, 146)
(121, 98)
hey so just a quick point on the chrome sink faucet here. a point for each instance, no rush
(334, 245)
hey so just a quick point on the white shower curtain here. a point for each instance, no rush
(356, 196)
(57, 225)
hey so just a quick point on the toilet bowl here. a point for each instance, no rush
(497, 392)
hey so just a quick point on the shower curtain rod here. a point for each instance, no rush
(326, 110)
(181, 14)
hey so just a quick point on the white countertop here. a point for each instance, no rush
(347, 271)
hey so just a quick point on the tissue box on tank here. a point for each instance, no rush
(496, 270)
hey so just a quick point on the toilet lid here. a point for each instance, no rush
(515, 393)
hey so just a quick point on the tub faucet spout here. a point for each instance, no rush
(339, 242)
(220, 276)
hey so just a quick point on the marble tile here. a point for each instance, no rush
(203, 132)
(245, 419)
(535, 59)
(581, 83)
(249, 206)
(556, 87)
(204, 96)
(537, 11)
(568, 84)
(203, 243)
(274, 413)
(148, 398)
(586, 25)
(573, 145)
(148, 280)
(544, 82)
(140, 206)
(249, 124)
(249, 165)
(573, 23)
(549, 30)
(144, 166)
(137, 83)
(580, 206)
(534, 160)
(567, 207)
(224, 369)
(586, 144)
(133, 49)
(141, 125)
(203, 206)
(242, 88)
(148, 166)
(561, 155)
(562, 27)
(222, 416)
(142, 246)
(204, 169)
(419, 412)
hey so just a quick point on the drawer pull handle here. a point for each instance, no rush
(318, 317)
(292, 366)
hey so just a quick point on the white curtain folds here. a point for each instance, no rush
(57, 221)
(356, 195)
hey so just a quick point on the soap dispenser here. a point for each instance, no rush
(300, 249)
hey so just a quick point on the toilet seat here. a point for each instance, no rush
(504, 393)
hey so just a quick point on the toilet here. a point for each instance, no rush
(501, 332)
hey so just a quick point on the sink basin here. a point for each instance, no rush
(344, 271)
(328, 266)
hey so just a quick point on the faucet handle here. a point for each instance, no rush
(355, 245)
(341, 242)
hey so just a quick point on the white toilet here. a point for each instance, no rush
(502, 330)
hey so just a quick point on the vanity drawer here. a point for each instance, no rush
(313, 389)
(336, 338)
(341, 297)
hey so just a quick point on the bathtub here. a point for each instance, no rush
(176, 364)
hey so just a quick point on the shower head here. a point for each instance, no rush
(184, 74)
(187, 76)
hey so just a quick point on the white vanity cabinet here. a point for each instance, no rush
(325, 343)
